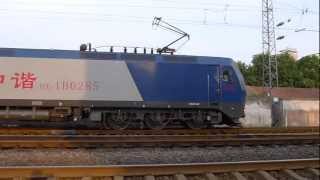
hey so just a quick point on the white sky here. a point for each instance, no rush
(228, 28)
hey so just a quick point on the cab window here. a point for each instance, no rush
(226, 76)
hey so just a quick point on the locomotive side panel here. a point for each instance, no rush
(187, 84)
(65, 79)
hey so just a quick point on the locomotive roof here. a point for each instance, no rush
(73, 54)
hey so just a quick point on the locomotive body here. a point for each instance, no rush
(119, 89)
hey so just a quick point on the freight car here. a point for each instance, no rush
(120, 89)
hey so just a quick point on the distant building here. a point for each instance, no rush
(292, 52)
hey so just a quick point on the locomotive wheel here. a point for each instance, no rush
(194, 124)
(155, 121)
(116, 122)
(195, 121)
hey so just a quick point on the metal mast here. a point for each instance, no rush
(270, 64)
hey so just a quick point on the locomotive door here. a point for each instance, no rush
(213, 85)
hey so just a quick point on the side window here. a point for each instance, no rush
(226, 76)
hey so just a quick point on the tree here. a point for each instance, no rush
(256, 70)
(249, 73)
(291, 73)
(252, 73)
(308, 68)
(288, 71)
(242, 67)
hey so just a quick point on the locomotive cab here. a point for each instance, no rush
(234, 93)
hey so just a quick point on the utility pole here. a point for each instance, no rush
(270, 64)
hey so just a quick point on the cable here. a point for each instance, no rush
(243, 8)
(177, 21)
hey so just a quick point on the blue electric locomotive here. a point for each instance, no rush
(120, 89)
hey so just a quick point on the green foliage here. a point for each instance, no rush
(302, 73)
(253, 72)
(309, 68)
(287, 71)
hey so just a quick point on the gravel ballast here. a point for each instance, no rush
(156, 155)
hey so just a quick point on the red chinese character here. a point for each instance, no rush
(24, 80)
(1, 79)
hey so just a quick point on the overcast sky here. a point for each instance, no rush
(228, 28)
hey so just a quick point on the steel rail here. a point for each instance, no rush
(80, 141)
(156, 170)
(48, 131)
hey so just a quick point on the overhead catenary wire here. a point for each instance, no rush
(212, 6)
(139, 19)
(98, 16)
(177, 5)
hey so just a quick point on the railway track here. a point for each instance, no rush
(269, 170)
(98, 141)
(51, 131)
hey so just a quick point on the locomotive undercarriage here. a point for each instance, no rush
(160, 118)
(122, 118)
